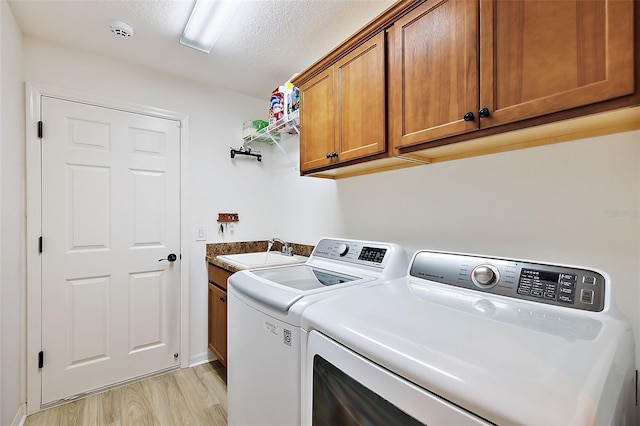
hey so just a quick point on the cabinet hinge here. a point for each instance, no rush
(39, 129)
(40, 244)
(40, 359)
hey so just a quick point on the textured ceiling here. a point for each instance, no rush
(265, 43)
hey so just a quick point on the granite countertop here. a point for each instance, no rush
(217, 249)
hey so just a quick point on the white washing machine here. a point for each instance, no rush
(264, 318)
(467, 339)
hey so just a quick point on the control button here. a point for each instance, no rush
(566, 290)
(589, 280)
(567, 284)
(524, 289)
(565, 298)
(536, 293)
(586, 296)
(568, 277)
(550, 295)
(485, 276)
(343, 249)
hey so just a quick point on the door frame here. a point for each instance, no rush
(33, 103)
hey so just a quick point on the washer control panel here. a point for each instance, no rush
(362, 253)
(550, 284)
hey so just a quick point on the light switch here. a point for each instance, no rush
(201, 232)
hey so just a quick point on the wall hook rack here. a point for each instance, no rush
(245, 151)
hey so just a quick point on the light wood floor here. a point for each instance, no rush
(193, 396)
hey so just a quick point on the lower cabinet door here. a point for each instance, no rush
(218, 322)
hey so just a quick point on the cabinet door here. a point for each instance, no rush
(434, 72)
(360, 95)
(218, 323)
(539, 57)
(317, 121)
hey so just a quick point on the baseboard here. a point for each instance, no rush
(202, 358)
(21, 416)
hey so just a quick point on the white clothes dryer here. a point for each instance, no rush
(467, 339)
(264, 318)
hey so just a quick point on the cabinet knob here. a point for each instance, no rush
(334, 154)
(469, 116)
(328, 155)
(223, 299)
(484, 113)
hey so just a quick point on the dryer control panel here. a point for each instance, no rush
(543, 283)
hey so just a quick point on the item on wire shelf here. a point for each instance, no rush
(292, 94)
(251, 128)
(277, 106)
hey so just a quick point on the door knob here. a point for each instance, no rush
(171, 258)
(469, 116)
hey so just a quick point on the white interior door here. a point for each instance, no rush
(110, 211)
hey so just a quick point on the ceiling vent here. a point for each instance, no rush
(121, 29)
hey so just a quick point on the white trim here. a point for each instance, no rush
(185, 243)
(34, 208)
(21, 416)
(34, 94)
(202, 358)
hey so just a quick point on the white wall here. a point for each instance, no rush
(218, 183)
(575, 203)
(12, 221)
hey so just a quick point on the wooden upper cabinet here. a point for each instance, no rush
(539, 57)
(510, 59)
(360, 85)
(317, 121)
(342, 109)
(449, 71)
(433, 74)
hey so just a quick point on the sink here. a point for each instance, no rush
(261, 259)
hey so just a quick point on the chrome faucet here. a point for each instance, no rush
(286, 250)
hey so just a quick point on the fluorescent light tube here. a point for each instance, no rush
(207, 21)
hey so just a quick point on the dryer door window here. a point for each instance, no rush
(340, 400)
(341, 387)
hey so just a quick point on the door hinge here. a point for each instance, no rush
(40, 244)
(39, 129)
(40, 359)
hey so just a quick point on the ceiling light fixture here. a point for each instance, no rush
(207, 21)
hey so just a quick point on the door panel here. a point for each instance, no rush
(317, 121)
(540, 57)
(434, 71)
(218, 322)
(360, 88)
(110, 211)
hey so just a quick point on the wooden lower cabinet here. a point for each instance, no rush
(217, 317)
